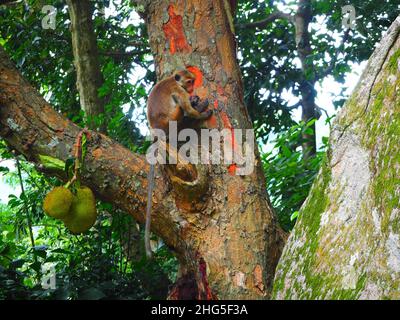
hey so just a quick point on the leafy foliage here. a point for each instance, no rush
(270, 64)
(289, 175)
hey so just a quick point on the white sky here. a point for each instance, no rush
(326, 92)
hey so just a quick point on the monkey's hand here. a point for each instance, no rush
(194, 101)
(198, 104)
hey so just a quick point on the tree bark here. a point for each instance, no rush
(86, 61)
(220, 225)
(346, 243)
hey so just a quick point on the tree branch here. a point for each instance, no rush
(277, 15)
(33, 128)
(126, 53)
(9, 2)
(332, 65)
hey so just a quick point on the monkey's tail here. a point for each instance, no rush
(150, 184)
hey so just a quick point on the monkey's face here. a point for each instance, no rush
(185, 80)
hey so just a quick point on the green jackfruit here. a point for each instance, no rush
(83, 212)
(57, 203)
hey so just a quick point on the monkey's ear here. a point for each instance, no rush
(177, 77)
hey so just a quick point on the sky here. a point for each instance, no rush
(326, 91)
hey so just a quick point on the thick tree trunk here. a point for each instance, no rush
(233, 230)
(86, 61)
(346, 243)
(219, 224)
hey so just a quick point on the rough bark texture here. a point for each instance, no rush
(86, 59)
(346, 243)
(219, 224)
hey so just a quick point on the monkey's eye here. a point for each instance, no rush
(190, 81)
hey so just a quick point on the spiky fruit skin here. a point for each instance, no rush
(83, 212)
(57, 203)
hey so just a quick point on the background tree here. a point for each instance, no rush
(346, 243)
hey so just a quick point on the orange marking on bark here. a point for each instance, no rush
(232, 169)
(258, 278)
(198, 82)
(173, 31)
(215, 104)
(220, 90)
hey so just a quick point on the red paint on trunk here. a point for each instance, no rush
(173, 31)
(207, 293)
(232, 169)
(198, 82)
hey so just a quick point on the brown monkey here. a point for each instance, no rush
(170, 100)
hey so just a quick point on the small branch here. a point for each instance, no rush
(332, 65)
(23, 195)
(137, 43)
(78, 156)
(295, 106)
(271, 18)
(126, 54)
(9, 2)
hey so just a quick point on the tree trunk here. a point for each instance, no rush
(307, 86)
(220, 225)
(86, 61)
(233, 230)
(346, 243)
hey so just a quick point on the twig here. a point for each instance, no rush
(271, 18)
(28, 216)
(78, 156)
(330, 68)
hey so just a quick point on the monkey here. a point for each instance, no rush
(171, 100)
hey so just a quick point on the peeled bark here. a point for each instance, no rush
(346, 243)
(220, 225)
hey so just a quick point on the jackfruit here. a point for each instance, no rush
(83, 214)
(57, 203)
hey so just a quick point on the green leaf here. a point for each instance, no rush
(51, 163)
(4, 169)
(294, 215)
